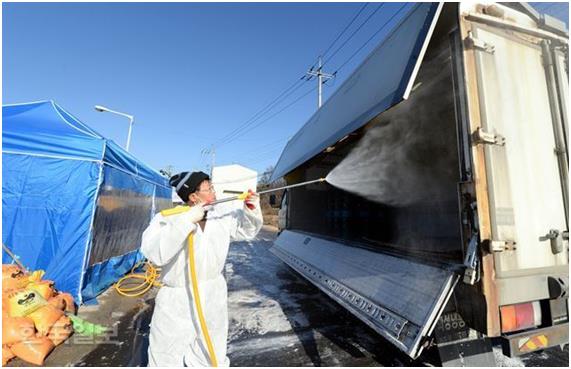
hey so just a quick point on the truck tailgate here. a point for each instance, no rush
(399, 298)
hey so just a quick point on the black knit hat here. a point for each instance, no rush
(186, 183)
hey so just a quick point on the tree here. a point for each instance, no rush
(266, 176)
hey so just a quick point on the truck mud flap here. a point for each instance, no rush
(400, 299)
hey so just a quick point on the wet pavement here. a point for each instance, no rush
(133, 341)
(276, 318)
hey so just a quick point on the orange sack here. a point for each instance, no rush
(5, 304)
(44, 288)
(15, 330)
(7, 354)
(58, 302)
(61, 330)
(13, 277)
(69, 303)
(44, 318)
(34, 350)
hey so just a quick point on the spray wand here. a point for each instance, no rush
(244, 195)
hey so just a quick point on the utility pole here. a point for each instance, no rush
(212, 152)
(321, 78)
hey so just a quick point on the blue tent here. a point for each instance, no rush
(74, 203)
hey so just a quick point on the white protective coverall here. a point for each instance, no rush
(175, 337)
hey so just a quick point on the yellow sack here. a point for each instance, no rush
(23, 302)
(44, 288)
(36, 276)
(44, 318)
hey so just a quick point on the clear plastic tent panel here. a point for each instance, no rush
(124, 208)
(163, 198)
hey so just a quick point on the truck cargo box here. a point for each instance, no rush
(458, 120)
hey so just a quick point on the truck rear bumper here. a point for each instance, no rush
(538, 339)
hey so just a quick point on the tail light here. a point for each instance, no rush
(520, 316)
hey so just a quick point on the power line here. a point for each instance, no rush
(262, 155)
(262, 110)
(249, 124)
(272, 145)
(255, 162)
(347, 60)
(279, 141)
(354, 32)
(276, 113)
(344, 30)
(230, 137)
(370, 38)
(262, 150)
(291, 89)
(281, 97)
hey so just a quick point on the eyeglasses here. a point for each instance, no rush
(210, 189)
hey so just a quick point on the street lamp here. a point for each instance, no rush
(100, 108)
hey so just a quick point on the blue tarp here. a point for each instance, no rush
(55, 170)
(105, 274)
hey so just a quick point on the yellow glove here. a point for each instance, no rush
(249, 197)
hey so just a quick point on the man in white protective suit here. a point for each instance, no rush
(176, 337)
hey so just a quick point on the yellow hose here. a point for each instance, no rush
(149, 280)
(192, 276)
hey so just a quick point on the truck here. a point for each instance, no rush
(460, 115)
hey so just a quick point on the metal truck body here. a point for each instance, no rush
(469, 101)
